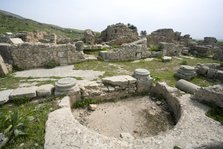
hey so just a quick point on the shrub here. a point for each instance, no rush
(154, 48)
(84, 103)
(50, 64)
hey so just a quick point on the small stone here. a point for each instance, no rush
(22, 144)
(166, 59)
(92, 107)
(158, 103)
(126, 136)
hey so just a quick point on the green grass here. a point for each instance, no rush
(33, 116)
(216, 113)
(12, 24)
(163, 71)
(9, 82)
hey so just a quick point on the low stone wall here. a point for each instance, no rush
(132, 51)
(28, 55)
(170, 94)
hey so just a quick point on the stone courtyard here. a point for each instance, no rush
(117, 90)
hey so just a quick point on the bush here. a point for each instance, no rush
(50, 64)
(84, 103)
(154, 48)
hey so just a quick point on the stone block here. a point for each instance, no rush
(186, 72)
(29, 92)
(213, 94)
(4, 96)
(16, 40)
(186, 86)
(3, 67)
(166, 58)
(45, 90)
(123, 80)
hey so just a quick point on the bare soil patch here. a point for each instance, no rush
(139, 116)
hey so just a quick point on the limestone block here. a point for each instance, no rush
(4, 96)
(123, 80)
(92, 107)
(166, 58)
(213, 94)
(45, 90)
(79, 45)
(16, 40)
(186, 86)
(186, 72)
(23, 92)
(3, 67)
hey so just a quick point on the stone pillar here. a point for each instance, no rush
(64, 86)
(186, 86)
(144, 81)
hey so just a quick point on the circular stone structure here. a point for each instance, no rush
(63, 86)
(138, 73)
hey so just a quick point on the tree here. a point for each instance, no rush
(143, 33)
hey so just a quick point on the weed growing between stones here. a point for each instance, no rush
(50, 64)
(84, 103)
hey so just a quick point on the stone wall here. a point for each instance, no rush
(118, 34)
(132, 51)
(28, 55)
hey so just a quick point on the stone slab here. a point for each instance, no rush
(45, 90)
(3, 67)
(62, 71)
(16, 40)
(122, 80)
(23, 92)
(213, 94)
(4, 96)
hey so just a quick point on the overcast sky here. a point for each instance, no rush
(198, 18)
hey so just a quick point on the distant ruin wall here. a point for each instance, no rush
(28, 56)
(132, 51)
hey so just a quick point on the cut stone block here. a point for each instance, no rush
(186, 72)
(123, 80)
(213, 94)
(23, 92)
(166, 58)
(3, 67)
(4, 96)
(186, 86)
(45, 90)
(16, 41)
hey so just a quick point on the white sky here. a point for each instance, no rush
(199, 18)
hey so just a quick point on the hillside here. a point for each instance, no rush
(13, 23)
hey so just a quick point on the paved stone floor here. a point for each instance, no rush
(61, 71)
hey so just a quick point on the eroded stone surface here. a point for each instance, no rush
(123, 80)
(63, 131)
(23, 92)
(212, 94)
(62, 71)
(45, 90)
(4, 96)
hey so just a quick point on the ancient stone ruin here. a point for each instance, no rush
(157, 116)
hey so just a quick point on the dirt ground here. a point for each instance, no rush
(139, 116)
